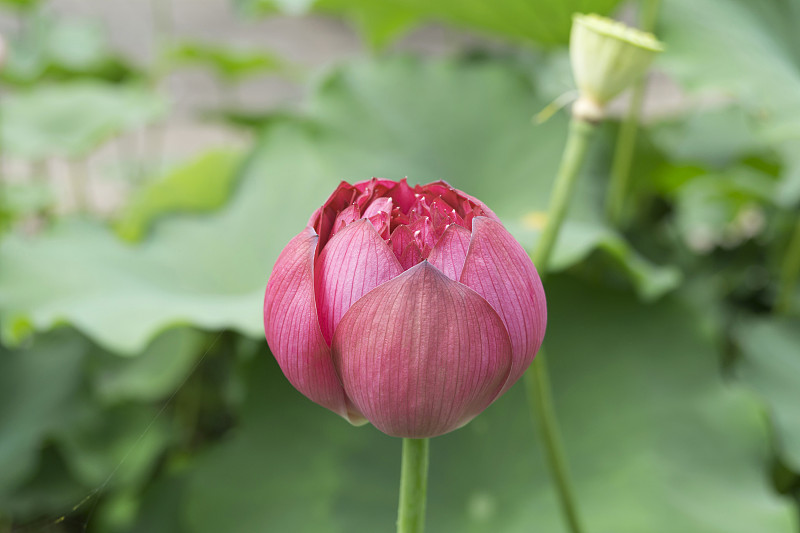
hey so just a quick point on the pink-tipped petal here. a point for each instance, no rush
(421, 354)
(422, 231)
(402, 194)
(405, 248)
(345, 218)
(401, 237)
(292, 330)
(355, 261)
(410, 256)
(379, 205)
(499, 269)
(381, 222)
(441, 216)
(450, 251)
(323, 218)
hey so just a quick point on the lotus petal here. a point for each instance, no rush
(499, 269)
(355, 261)
(292, 330)
(421, 354)
(450, 251)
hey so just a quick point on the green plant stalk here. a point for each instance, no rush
(790, 270)
(413, 486)
(626, 141)
(580, 133)
(623, 157)
(3, 200)
(537, 379)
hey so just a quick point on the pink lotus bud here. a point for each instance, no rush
(411, 308)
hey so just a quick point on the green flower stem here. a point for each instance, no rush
(537, 380)
(413, 486)
(623, 157)
(3, 201)
(790, 270)
(626, 141)
(540, 397)
(580, 133)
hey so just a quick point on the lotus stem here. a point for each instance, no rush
(413, 486)
(580, 133)
(790, 270)
(537, 379)
(623, 158)
(626, 140)
(540, 397)
(2, 182)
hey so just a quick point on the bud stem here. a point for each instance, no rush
(623, 157)
(537, 380)
(540, 397)
(626, 140)
(413, 486)
(580, 132)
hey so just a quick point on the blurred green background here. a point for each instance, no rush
(156, 156)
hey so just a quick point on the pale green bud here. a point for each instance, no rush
(607, 57)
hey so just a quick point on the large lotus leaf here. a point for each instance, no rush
(713, 137)
(78, 45)
(20, 4)
(151, 375)
(468, 123)
(61, 444)
(657, 442)
(723, 209)
(37, 385)
(72, 119)
(40, 502)
(748, 51)
(27, 198)
(228, 63)
(202, 184)
(157, 511)
(722, 178)
(113, 447)
(771, 365)
(58, 48)
(542, 21)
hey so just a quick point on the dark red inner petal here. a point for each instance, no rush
(410, 220)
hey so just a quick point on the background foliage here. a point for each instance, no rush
(137, 394)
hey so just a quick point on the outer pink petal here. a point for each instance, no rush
(499, 269)
(355, 261)
(421, 354)
(292, 330)
(450, 251)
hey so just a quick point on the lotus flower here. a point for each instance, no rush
(411, 308)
